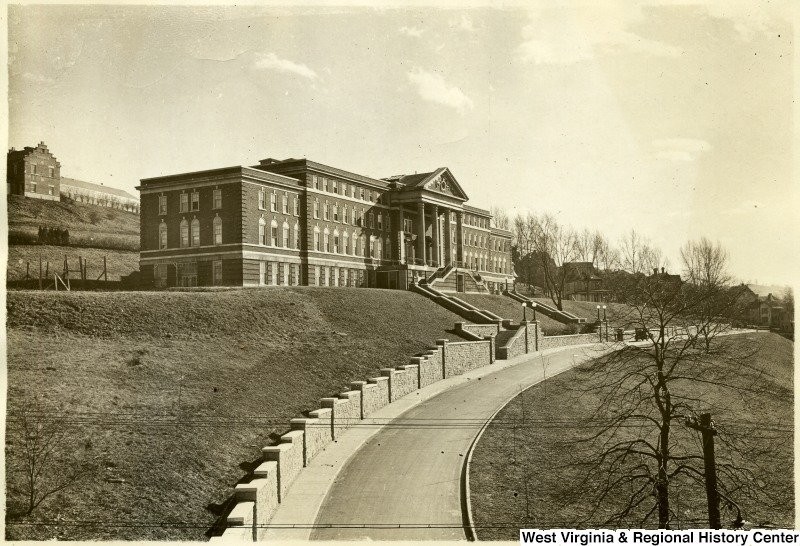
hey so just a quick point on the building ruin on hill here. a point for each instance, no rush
(297, 222)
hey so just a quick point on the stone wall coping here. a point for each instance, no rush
(465, 342)
(358, 384)
(241, 514)
(441, 341)
(277, 448)
(386, 372)
(347, 395)
(570, 335)
(378, 379)
(328, 403)
(318, 413)
(292, 436)
(247, 491)
(303, 420)
(266, 468)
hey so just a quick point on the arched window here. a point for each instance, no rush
(361, 244)
(273, 233)
(326, 240)
(195, 232)
(316, 239)
(184, 233)
(285, 234)
(377, 248)
(346, 243)
(162, 235)
(296, 233)
(262, 231)
(387, 249)
(217, 230)
(336, 241)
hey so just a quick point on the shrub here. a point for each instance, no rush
(18, 237)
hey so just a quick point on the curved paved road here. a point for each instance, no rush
(409, 473)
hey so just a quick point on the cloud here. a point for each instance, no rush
(433, 88)
(680, 149)
(572, 36)
(748, 19)
(270, 61)
(414, 32)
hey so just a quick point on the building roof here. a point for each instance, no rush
(416, 180)
(763, 291)
(96, 187)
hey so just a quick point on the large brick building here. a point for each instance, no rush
(297, 222)
(35, 172)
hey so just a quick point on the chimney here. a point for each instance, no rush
(655, 271)
(662, 271)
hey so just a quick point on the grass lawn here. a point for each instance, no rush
(165, 399)
(119, 262)
(525, 471)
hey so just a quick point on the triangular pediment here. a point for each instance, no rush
(442, 181)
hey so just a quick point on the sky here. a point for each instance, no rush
(674, 120)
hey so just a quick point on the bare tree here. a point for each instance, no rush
(647, 390)
(38, 441)
(554, 245)
(500, 218)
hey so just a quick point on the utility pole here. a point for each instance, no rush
(707, 430)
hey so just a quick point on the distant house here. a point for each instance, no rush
(763, 308)
(35, 172)
(583, 283)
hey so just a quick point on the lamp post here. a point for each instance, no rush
(533, 305)
(604, 314)
(524, 312)
(598, 313)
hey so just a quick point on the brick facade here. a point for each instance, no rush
(296, 222)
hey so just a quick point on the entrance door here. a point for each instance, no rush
(459, 282)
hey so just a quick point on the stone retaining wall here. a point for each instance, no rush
(549, 342)
(257, 500)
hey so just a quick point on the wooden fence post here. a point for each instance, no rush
(105, 270)
(40, 272)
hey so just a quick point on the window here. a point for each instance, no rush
(51, 171)
(377, 249)
(285, 235)
(326, 239)
(361, 193)
(195, 201)
(334, 187)
(217, 230)
(353, 216)
(371, 220)
(217, 199)
(184, 233)
(50, 189)
(380, 221)
(345, 243)
(162, 204)
(160, 273)
(296, 236)
(344, 214)
(285, 204)
(273, 233)
(216, 272)
(262, 231)
(262, 199)
(369, 195)
(387, 249)
(315, 181)
(162, 235)
(297, 206)
(324, 184)
(316, 239)
(195, 232)
(273, 201)
(361, 242)
(336, 241)
(344, 188)
(35, 169)
(326, 212)
(335, 212)
(184, 202)
(316, 209)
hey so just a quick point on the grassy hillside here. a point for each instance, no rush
(530, 475)
(508, 308)
(119, 262)
(88, 225)
(166, 398)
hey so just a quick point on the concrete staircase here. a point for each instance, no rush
(563, 317)
(456, 305)
(443, 279)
